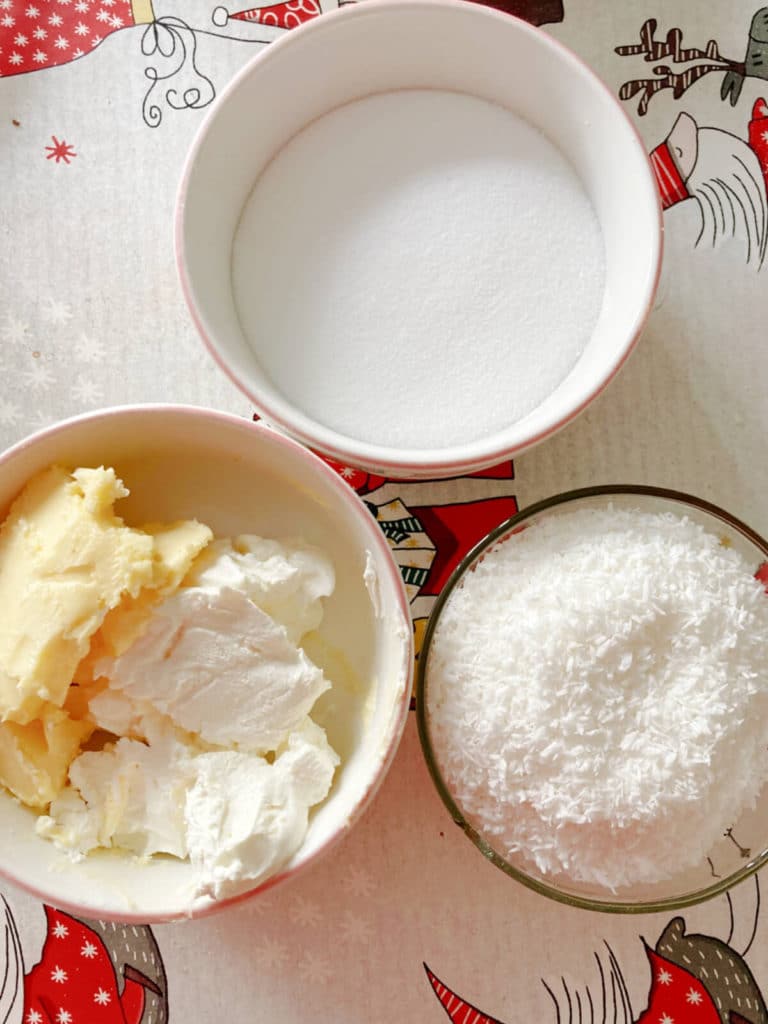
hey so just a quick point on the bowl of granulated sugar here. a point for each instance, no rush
(593, 698)
(420, 236)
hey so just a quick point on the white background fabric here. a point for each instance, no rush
(91, 315)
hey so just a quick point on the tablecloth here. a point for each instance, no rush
(99, 101)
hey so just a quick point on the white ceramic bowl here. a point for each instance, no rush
(384, 45)
(185, 462)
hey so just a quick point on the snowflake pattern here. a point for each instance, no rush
(305, 913)
(86, 391)
(101, 996)
(33, 1017)
(360, 883)
(665, 978)
(314, 968)
(89, 951)
(666, 1019)
(55, 312)
(39, 376)
(14, 331)
(10, 413)
(60, 379)
(693, 997)
(89, 350)
(63, 1017)
(60, 930)
(59, 975)
(272, 954)
(356, 930)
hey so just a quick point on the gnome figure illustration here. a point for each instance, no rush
(90, 971)
(724, 174)
(87, 971)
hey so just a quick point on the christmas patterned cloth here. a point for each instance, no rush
(46, 33)
(99, 103)
(75, 980)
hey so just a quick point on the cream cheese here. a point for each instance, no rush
(217, 759)
(286, 579)
(219, 667)
(245, 817)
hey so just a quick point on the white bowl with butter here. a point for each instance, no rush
(183, 464)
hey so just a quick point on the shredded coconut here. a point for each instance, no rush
(598, 694)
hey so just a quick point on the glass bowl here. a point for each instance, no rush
(743, 847)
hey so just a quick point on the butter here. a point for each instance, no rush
(175, 548)
(180, 658)
(35, 758)
(65, 560)
(76, 584)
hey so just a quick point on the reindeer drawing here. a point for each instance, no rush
(698, 63)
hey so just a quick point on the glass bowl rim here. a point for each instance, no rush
(613, 906)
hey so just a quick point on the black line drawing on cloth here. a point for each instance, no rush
(692, 977)
(726, 176)
(698, 62)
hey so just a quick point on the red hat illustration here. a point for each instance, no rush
(676, 995)
(289, 14)
(457, 1008)
(758, 134)
(75, 979)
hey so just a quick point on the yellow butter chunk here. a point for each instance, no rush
(65, 560)
(177, 545)
(35, 758)
(175, 548)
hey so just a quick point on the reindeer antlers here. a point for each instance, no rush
(653, 50)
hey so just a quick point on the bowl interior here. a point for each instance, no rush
(238, 478)
(743, 846)
(419, 44)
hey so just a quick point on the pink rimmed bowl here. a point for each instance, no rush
(238, 477)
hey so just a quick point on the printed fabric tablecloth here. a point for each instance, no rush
(99, 100)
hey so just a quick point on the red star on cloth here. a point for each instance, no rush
(60, 151)
(358, 479)
(75, 981)
(676, 996)
(37, 34)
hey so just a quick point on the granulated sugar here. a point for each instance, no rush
(598, 694)
(418, 269)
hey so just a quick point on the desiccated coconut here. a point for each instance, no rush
(597, 694)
